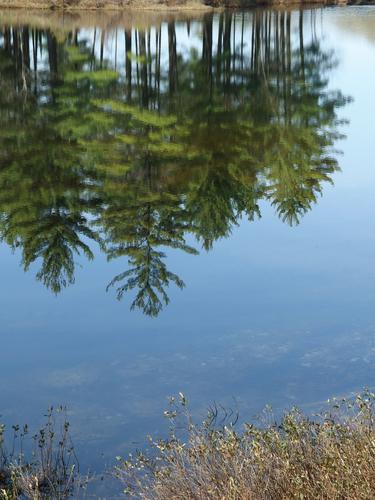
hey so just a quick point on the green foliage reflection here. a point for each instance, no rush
(136, 156)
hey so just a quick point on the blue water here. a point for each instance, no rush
(273, 314)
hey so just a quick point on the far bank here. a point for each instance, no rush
(172, 5)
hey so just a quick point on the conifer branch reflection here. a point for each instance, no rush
(137, 155)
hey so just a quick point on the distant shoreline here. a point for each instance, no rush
(107, 5)
(154, 5)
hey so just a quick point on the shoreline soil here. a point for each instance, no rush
(154, 5)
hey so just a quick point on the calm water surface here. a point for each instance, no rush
(185, 205)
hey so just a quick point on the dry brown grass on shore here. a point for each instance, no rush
(50, 469)
(154, 5)
(61, 23)
(109, 5)
(330, 457)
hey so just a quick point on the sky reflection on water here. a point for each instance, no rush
(272, 313)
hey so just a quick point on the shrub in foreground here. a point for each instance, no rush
(329, 456)
(49, 470)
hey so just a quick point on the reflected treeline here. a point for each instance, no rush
(135, 139)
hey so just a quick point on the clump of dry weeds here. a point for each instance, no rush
(49, 470)
(330, 456)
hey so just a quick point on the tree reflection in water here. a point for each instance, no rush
(137, 155)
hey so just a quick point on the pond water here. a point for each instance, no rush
(186, 204)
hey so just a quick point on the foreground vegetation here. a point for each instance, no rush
(328, 456)
(331, 456)
(40, 466)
